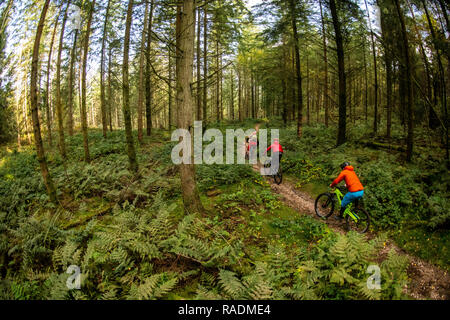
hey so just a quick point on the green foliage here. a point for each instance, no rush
(209, 176)
(131, 239)
(338, 270)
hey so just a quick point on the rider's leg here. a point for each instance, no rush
(275, 163)
(349, 198)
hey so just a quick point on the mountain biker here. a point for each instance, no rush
(277, 152)
(252, 143)
(354, 186)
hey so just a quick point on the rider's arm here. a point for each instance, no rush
(267, 149)
(338, 179)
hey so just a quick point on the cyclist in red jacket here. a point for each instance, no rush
(277, 152)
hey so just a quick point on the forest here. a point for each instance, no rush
(94, 207)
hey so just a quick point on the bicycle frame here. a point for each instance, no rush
(348, 211)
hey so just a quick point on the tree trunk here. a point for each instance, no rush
(51, 191)
(185, 30)
(70, 85)
(442, 77)
(239, 95)
(59, 114)
(387, 44)
(375, 111)
(308, 96)
(325, 61)
(87, 157)
(366, 87)
(148, 78)
(217, 82)
(407, 67)
(297, 69)
(232, 94)
(102, 73)
(110, 94)
(341, 72)
(205, 61)
(141, 76)
(126, 92)
(199, 91)
(47, 91)
(170, 91)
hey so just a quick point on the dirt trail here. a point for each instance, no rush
(427, 280)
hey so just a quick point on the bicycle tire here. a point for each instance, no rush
(328, 198)
(362, 225)
(278, 178)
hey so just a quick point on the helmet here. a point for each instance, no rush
(343, 165)
(276, 140)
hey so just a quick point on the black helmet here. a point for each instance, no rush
(344, 165)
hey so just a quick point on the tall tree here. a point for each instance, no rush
(90, 7)
(102, 72)
(141, 75)
(126, 91)
(47, 90)
(199, 91)
(71, 84)
(293, 16)
(408, 80)
(387, 45)
(185, 30)
(51, 190)
(325, 62)
(148, 78)
(341, 74)
(375, 72)
(59, 113)
(205, 61)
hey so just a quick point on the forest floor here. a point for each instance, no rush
(427, 281)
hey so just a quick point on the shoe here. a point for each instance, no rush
(339, 216)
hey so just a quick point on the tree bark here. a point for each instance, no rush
(102, 73)
(325, 62)
(148, 78)
(199, 91)
(239, 95)
(59, 114)
(297, 69)
(51, 191)
(70, 85)
(185, 30)
(407, 67)
(126, 92)
(375, 111)
(84, 125)
(47, 91)
(205, 61)
(387, 41)
(141, 76)
(341, 72)
(110, 94)
(443, 82)
(232, 94)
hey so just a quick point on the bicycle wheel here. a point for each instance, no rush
(324, 205)
(278, 178)
(363, 222)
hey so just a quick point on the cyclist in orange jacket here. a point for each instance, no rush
(354, 186)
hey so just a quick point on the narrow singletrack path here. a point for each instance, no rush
(427, 280)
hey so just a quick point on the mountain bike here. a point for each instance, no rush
(278, 177)
(356, 217)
